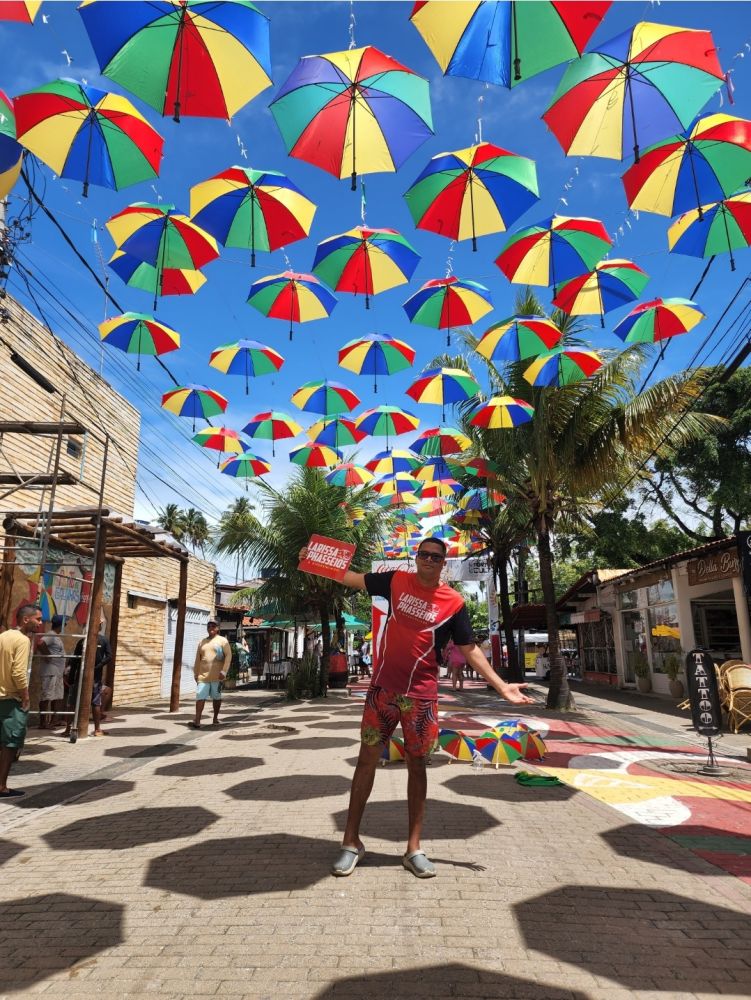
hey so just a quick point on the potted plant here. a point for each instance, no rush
(643, 675)
(672, 667)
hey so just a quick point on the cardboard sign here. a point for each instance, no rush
(327, 557)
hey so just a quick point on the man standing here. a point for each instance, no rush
(213, 658)
(15, 647)
(52, 659)
(99, 692)
(422, 615)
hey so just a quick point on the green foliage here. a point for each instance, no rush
(640, 664)
(187, 526)
(304, 680)
(672, 666)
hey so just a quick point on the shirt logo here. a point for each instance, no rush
(416, 607)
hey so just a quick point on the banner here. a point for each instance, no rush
(703, 693)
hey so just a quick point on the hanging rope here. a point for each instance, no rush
(352, 25)
(363, 201)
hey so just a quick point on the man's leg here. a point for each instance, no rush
(417, 790)
(44, 717)
(362, 785)
(7, 757)
(199, 711)
(217, 704)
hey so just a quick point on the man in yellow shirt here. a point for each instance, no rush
(15, 649)
(213, 659)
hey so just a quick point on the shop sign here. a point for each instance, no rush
(579, 617)
(718, 566)
(744, 554)
(703, 693)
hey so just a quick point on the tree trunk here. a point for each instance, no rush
(513, 673)
(325, 647)
(559, 693)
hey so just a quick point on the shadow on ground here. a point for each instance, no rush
(68, 792)
(443, 820)
(335, 726)
(31, 766)
(315, 743)
(9, 849)
(200, 768)
(158, 750)
(640, 843)
(133, 828)
(499, 786)
(133, 731)
(290, 788)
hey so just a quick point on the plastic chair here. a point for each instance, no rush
(738, 681)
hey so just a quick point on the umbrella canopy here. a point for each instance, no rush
(393, 750)
(194, 401)
(252, 209)
(156, 280)
(219, 439)
(400, 484)
(443, 303)
(441, 489)
(497, 750)
(609, 285)
(456, 744)
(505, 42)
(326, 397)
(518, 338)
(186, 57)
(365, 261)
(440, 441)
(21, 11)
(442, 386)
(317, 456)
(658, 320)
(481, 468)
(293, 297)
(387, 421)
(393, 460)
(353, 112)
(244, 466)
(335, 431)
(562, 367)
(11, 153)
(635, 89)
(376, 354)
(138, 333)
(436, 469)
(246, 357)
(713, 229)
(349, 474)
(88, 135)
(481, 498)
(503, 412)
(554, 250)
(272, 425)
(707, 162)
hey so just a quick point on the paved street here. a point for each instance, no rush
(161, 861)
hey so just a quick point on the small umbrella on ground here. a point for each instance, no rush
(714, 229)
(11, 153)
(194, 401)
(338, 432)
(562, 368)
(443, 386)
(272, 425)
(376, 354)
(440, 441)
(554, 250)
(158, 281)
(519, 338)
(349, 475)
(445, 303)
(246, 357)
(503, 412)
(138, 333)
(292, 297)
(245, 466)
(658, 320)
(456, 744)
(387, 421)
(393, 750)
(316, 456)
(610, 285)
(365, 261)
(497, 750)
(326, 397)
(393, 460)
(221, 439)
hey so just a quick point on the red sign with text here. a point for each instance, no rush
(327, 557)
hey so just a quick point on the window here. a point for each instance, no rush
(132, 601)
(660, 593)
(629, 598)
(74, 448)
(664, 636)
(598, 647)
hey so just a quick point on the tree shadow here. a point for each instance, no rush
(158, 750)
(640, 843)
(663, 942)
(201, 768)
(315, 743)
(133, 731)
(443, 820)
(291, 788)
(9, 849)
(44, 935)
(133, 828)
(68, 793)
(500, 787)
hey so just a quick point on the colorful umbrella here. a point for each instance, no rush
(88, 135)
(503, 412)
(317, 456)
(376, 354)
(353, 112)
(496, 750)
(481, 498)
(456, 744)
(252, 209)
(246, 357)
(22, 11)
(482, 468)
(245, 466)
(443, 303)
(11, 153)
(611, 284)
(349, 474)
(387, 421)
(272, 425)
(335, 431)
(295, 298)
(137, 333)
(442, 386)
(440, 441)
(326, 397)
(393, 750)
(399, 484)
(191, 57)
(712, 229)
(194, 401)
(473, 192)
(441, 489)
(518, 338)
(554, 250)
(706, 163)
(219, 439)
(644, 84)
(434, 470)
(435, 508)
(393, 460)
(507, 41)
(562, 367)
(533, 746)
(365, 261)
(158, 281)
(658, 320)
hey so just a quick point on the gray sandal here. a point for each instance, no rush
(418, 863)
(347, 861)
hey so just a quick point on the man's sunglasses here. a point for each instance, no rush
(433, 557)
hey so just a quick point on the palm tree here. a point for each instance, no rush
(172, 520)
(196, 529)
(232, 528)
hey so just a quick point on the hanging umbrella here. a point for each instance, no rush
(246, 357)
(505, 42)
(456, 744)
(219, 439)
(713, 229)
(393, 750)
(707, 162)
(354, 112)
(339, 432)
(435, 508)
(441, 489)
(245, 466)
(658, 320)
(349, 474)
(473, 192)
(393, 460)
(200, 58)
(137, 333)
(158, 281)
(611, 284)
(251, 209)
(442, 386)
(554, 250)
(272, 425)
(88, 135)
(387, 421)
(496, 750)
(326, 397)
(376, 354)
(434, 470)
(503, 412)
(440, 441)
(635, 89)
(318, 456)
(21, 11)
(445, 303)
(365, 261)
(11, 153)
(295, 298)
(482, 468)
(397, 490)
(481, 498)
(194, 401)
(562, 367)
(518, 338)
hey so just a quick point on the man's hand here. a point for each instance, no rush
(25, 700)
(303, 554)
(222, 675)
(514, 694)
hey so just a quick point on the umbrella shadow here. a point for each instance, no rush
(443, 820)
(9, 849)
(500, 787)
(31, 766)
(315, 743)
(69, 792)
(133, 828)
(678, 848)
(290, 788)
(335, 726)
(134, 731)
(203, 768)
(158, 750)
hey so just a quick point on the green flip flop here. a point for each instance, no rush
(532, 780)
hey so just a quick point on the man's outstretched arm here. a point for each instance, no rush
(354, 580)
(477, 660)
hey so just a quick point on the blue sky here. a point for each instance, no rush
(218, 314)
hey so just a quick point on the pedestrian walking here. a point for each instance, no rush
(51, 653)
(213, 658)
(15, 650)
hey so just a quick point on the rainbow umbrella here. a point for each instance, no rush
(518, 338)
(251, 209)
(442, 386)
(473, 192)
(219, 439)
(158, 281)
(482, 468)
(137, 333)
(21, 11)
(317, 456)
(88, 135)
(349, 474)
(481, 498)
(456, 744)
(435, 507)
(554, 250)
(443, 303)
(295, 298)
(609, 285)
(644, 84)
(387, 421)
(441, 489)
(444, 531)
(358, 111)
(502, 412)
(496, 750)
(272, 425)
(244, 466)
(707, 162)
(440, 441)
(393, 750)
(713, 229)
(365, 261)
(376, 354)
(533, 746)
(658, 320)
(562, 367)
(200, 58)
(435, 469)
(11, 153)
(393, 460)
(335, 431)
(246, 357)
(505, 42)
(326, 397)
(194, 401)
(401, 488)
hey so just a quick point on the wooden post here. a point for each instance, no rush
(177, 663)
(95, 616)
(6, 581)
(114, 628)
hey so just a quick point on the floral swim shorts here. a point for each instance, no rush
(384, 710)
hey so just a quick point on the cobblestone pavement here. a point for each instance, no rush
(165, 862)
